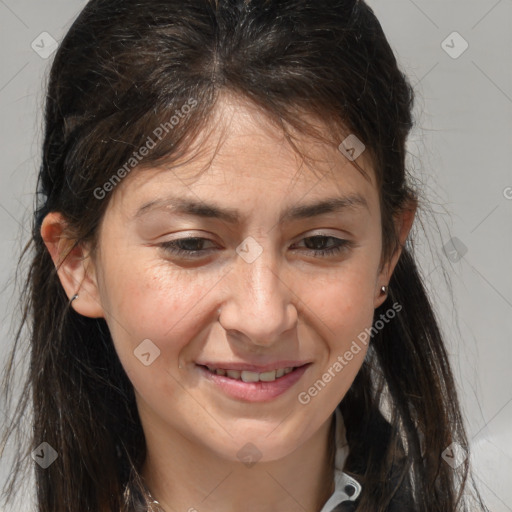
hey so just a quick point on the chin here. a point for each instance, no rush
(250, 452)
(257, 444)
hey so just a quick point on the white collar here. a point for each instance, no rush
(345, 487)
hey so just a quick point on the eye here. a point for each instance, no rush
(320, 240)
(187, 247)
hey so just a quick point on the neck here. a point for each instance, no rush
(184, 476)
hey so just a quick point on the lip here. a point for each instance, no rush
(253, 391)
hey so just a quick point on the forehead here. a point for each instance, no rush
(242, 155)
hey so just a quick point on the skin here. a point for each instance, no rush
(287, 304)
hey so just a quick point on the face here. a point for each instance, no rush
(294, 291)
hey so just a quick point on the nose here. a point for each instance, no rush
(259, 308)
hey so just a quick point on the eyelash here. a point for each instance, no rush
(172, 247)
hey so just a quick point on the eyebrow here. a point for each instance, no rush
(233, 216)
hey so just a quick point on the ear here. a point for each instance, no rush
(74, 265)
(403, 224)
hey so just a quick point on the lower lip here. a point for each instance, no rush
(254, 391)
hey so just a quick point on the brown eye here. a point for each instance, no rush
(188, 247)
(320, 241)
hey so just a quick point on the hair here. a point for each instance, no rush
(121, 73)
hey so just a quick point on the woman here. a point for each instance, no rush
(225, 311)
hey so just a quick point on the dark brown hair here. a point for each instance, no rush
(123, 70)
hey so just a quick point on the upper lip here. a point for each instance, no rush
(253, 367)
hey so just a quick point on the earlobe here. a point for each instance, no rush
(381, 295)
(74, 266)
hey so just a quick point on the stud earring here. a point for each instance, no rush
(74, 297)
(384, 289)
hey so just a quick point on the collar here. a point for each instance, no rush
(345, 487)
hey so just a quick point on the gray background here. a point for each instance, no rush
(460, 151)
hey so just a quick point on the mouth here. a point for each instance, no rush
(248, 385)
(250, 376)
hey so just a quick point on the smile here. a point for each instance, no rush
(247, 376)
(251, 386)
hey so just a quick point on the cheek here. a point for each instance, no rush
(156, 303)
(343, 307)
(344, 300)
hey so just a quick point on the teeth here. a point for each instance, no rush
(248, 376)
(268, 376)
